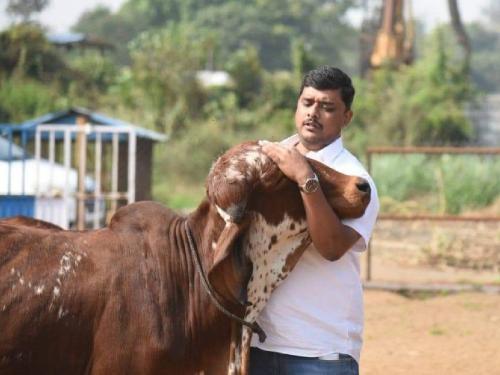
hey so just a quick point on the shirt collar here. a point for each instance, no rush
(326, 155)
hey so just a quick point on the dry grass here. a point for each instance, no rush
(430, 252)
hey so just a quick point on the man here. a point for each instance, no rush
(314, 319)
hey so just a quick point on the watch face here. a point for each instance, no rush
(311, 185)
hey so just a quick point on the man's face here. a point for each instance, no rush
(320, 117)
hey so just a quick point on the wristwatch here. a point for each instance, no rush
(311, 184)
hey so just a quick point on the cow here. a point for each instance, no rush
(144, 294)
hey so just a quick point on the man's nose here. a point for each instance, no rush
(313, 110)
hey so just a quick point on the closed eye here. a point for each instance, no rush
(328, 107)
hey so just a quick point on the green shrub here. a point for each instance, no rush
(21, 99)
(440, 184)
(470, 182)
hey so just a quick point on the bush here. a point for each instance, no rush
(246, 71)
(24, 99)
(25, 52)
(440, 184)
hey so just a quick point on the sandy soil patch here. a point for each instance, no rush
(455, 334)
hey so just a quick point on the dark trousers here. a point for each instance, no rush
(270, 363)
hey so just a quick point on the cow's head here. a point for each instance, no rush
(262, 225)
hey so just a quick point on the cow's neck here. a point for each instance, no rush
(202, 320)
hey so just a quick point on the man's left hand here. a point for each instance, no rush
(290, 161)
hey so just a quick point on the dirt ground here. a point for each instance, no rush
(435, 253)
(455, 334)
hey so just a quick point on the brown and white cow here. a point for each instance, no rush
(127, 299)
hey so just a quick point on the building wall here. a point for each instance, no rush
(143, 176)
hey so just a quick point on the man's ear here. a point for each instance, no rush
(231, 269)
(347, 117)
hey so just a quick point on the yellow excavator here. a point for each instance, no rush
(390, 40)
(395, 37)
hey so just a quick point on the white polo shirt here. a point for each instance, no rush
(318, 309)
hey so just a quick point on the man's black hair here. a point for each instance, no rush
(330, 78)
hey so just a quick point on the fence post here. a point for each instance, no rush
(369, 246)
(82, 123)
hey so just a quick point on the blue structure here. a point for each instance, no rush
(69, 117)
(17, 146)
(14, 205)
(78, 40)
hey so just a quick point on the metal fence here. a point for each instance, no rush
(440, 220)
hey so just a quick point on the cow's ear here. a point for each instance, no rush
(231, 269)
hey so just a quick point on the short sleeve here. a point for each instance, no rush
(365, 224)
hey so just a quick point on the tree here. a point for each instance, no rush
(246, 71)
(272, 26)
(460, 33)
(269, 25)
(25, 8)
(164, 66)
(25, 52)
(21, 99)
(302, 59)
(117, 28)
(421, 104)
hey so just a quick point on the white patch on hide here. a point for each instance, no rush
(64, 264)
(223, 214)
(68, 263)
(237, 359)
(61, 313)
(234, 367)
(56, 292)
(255, 158)
(39, 289)
(268, 247)
(252, 158)
(233, 174)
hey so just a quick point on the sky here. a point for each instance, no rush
(60, 15)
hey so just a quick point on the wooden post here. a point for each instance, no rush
(97, 177)
(67, 171)
(369, 246)
(114, 173)
(132, 139)
(81, 122)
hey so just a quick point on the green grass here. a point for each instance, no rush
(447, 184)
(180, 196)
(438, 184)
